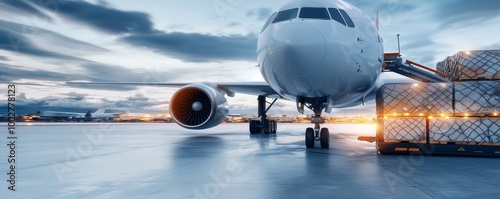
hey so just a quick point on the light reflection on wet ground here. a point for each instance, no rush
(166, 161)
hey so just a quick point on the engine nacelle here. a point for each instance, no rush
(198, 106)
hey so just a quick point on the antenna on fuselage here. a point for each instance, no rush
(377, 23)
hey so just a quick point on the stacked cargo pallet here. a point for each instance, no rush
(461, 113)
(465, 112)
(472, 65)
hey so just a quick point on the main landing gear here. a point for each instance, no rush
(315, 134)
(263, 125)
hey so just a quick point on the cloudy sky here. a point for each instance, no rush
(44, 43)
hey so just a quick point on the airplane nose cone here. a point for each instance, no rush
(296, 49)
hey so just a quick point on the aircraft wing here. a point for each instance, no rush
(250, 88)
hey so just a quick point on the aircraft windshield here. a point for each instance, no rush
(336, 16)
(314, 13)
(348, 19)
(286, 15)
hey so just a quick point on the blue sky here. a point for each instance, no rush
(45, 43)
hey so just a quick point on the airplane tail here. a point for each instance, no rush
(100, 110)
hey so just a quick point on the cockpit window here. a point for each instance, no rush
(268, 22)
(286, 15)
(336, 16)
(348, 19)
(314, 13)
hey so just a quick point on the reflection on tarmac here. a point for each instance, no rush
(264, 140)
(166, 161)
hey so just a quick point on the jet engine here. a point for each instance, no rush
(198, 106)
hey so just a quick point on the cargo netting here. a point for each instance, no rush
(415, 99)
(477, 130)
(477, 97)
(472, 65)
(404, 129)
(470, 98)
(466, 112)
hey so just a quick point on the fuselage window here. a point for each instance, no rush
(348, 19)
(336, 16)
(286, 15)
(314, 13)
(268, 22)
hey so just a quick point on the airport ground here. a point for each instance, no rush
(110, 160)
(166, 118)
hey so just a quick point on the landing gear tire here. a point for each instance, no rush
(266, 127)
(254, 127)
(325, 138)
(273, 127)
(310, 139)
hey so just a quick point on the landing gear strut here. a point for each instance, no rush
(263, 125)
(317, 133)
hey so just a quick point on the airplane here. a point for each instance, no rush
(98, 115)
(321, 54)
(71, 114)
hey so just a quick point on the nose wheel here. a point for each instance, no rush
(325, 138)
(310, 138)
(313, 135)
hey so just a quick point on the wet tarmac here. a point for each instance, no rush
(166, 161)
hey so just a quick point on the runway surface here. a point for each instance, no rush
(166, 161)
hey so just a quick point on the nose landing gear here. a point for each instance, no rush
(317, 133)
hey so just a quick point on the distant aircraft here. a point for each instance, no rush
(69, 114)
(321, 54)
(99, 114)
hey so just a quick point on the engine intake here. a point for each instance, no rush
(198, 106)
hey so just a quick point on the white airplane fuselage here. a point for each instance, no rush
(317, 58)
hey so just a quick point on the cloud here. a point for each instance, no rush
(2, 58)
(14, 37)
(137, 101)
(491, 47)
(18, 43)
(260, 13)
(97, 72)
(25, 7)
(89, 72)
(12, 73)
(76, 102)
(104, 18)
(25, 105)
(76, 96)
(195, 47)
(103, 2)
(418, 41)
(396, 7)
(392, 7)
(461, 12)
(137, 29)
(234, 24)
